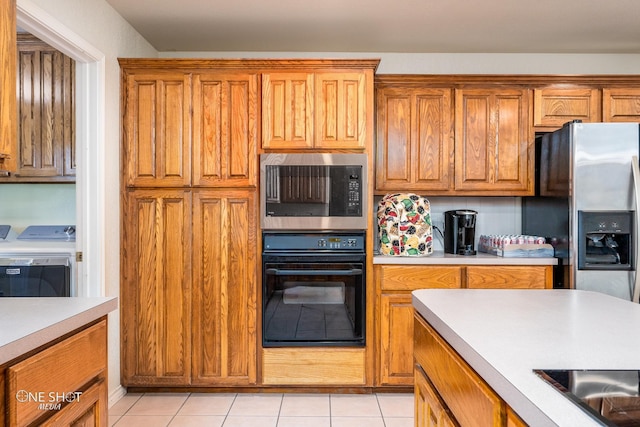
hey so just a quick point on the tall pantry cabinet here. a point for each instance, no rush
(189, 224)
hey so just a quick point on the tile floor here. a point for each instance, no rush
(262, 410)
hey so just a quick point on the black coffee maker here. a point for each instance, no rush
(459, 232)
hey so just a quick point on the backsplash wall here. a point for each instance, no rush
(496, 215)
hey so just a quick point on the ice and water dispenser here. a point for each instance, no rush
(605, 240)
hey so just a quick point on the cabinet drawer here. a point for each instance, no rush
(63, 368)
(509, 277)
(470, 399)
(406, 278)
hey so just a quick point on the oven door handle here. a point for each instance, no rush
(278, 272)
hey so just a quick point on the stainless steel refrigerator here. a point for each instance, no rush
(586, 205)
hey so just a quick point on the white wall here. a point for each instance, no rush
(100, 26)
(94, 23)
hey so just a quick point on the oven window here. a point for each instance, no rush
(315, 303)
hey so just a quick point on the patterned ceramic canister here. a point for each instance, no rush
(404, 225)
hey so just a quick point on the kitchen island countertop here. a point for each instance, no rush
(441, 258)
(28, 323)
(505, 334)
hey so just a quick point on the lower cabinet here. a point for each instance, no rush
(62, 385)
(188, 291)
(449, 391)
(394, 284)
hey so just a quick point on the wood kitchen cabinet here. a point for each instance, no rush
(453, 135)
(494, 150)
(318, 108)
(466, 396)
(156, 287)
(8, 115)
(430, 411)
(414, 139)
(46, 113)
(621, 104)
(553, 107)
(189, 287)
(394, 284)
(62, 367)
(225, 282)
(156, 108)
(225, 129)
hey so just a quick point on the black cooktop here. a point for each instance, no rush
(610, 396)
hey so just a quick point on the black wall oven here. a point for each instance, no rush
(313, 289)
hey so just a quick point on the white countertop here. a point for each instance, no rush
(441, 258)
(505, 334)
(28, 323)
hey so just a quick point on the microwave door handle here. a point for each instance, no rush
(636, 186)
(278, 272)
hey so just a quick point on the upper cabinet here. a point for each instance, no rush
(8, 131)
(557, 106)
(287, 110)
(621, 104)
(494, 148)
(46, 113)
(444, 135)
(415, 139)
(321, 105)
(558, 100)
(157, 128)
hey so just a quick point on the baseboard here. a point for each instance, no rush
(116, 395)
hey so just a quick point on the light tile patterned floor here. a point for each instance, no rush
(262, 410)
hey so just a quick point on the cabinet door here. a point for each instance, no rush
(225, 129)
(287, 110)
(509, 277)
(430, 411)
(88, 411)
(494, 146)
(156, 287)
(46, 112)
(156, 148)
(415, 148)
(8, 130)
(340, 110)
(621, 105)
(225, 281)
(395, 283)
(554, 107)
(396, 332)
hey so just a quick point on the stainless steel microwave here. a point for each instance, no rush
(313, 191)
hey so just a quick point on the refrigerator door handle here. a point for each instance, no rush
(636, 185)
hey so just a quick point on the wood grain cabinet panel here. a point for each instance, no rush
(415, 144)
(157, 128)
(430, 410)
(395, 314)
(340, 110)
(46, 113)
(8, 115)
(448, 392)
(225, 269)
(470, 399)
(621, 104)
(225, 129)
(156, 287)
(509, 277)
(553, 107)
(493, 142)
(62, 368)
(287, 110)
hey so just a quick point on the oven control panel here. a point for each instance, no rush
(313, 242)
